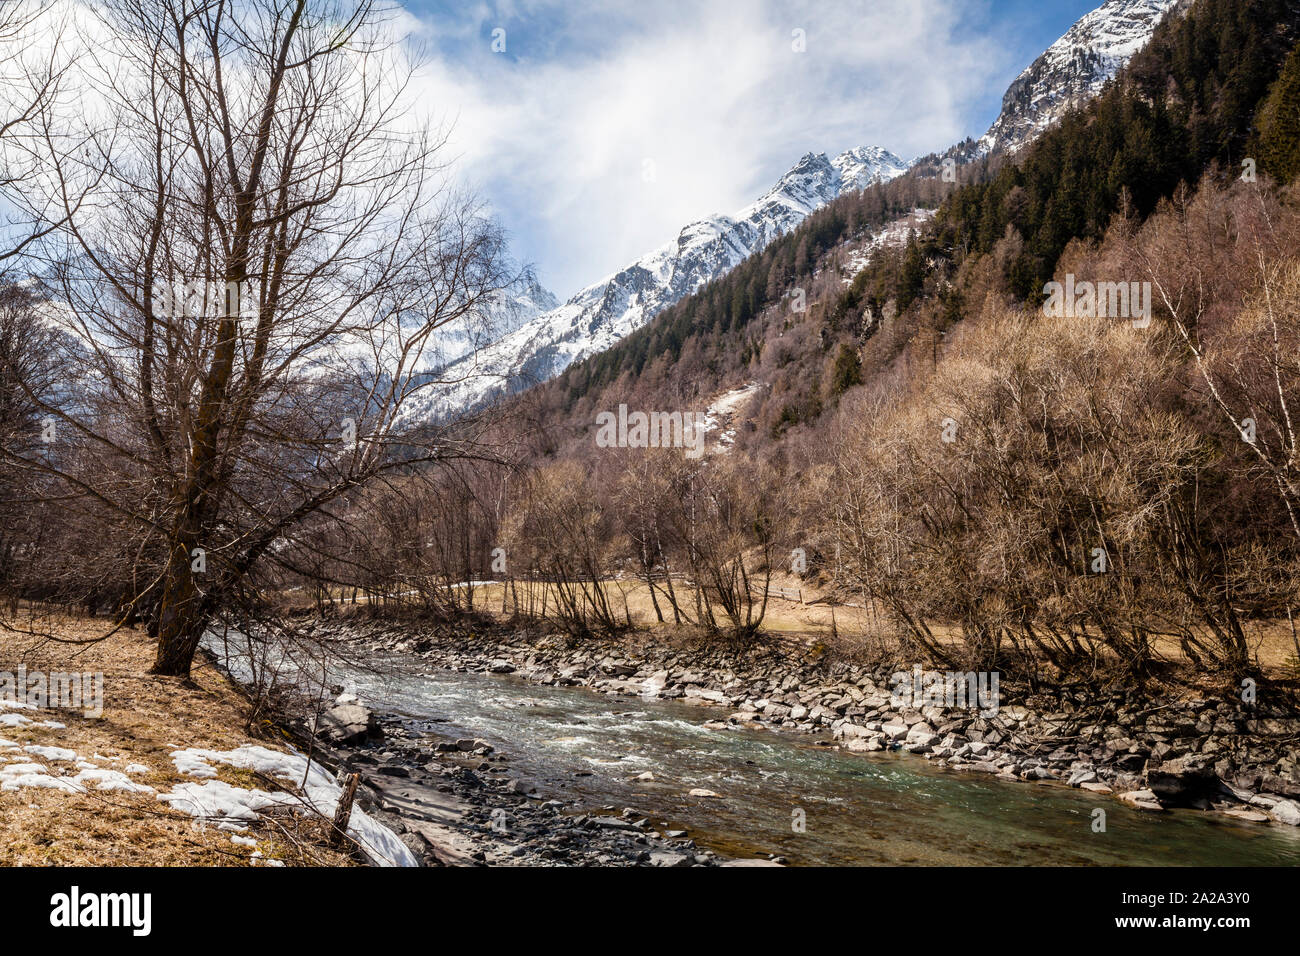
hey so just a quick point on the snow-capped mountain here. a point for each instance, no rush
(511, 308)
(1072, 70)
(1069, 73)
(602, 314)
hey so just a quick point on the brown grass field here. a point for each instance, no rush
(145, 718)
(1272, 643)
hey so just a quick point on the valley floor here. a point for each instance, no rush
(170, 774)
(799, 610)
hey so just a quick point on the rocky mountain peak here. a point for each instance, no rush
(1073, 70)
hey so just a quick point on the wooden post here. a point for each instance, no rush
(344, 811)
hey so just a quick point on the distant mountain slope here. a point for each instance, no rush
(511, 308)
(602, 314)
(1069, 73)
(1072, 70)
(1188, 102)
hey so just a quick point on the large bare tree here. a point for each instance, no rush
(255, 244)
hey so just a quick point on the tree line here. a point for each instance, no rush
(1064, 496)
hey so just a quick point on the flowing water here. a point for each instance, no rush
(858, 809)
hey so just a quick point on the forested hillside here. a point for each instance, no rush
(890, 399)
(1210, 86)
(1055, 487)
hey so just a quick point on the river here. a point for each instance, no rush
(586, 749)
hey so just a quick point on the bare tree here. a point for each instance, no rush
(566, 536)
(1036, 494)
(32, 65)
(263, 246)
(25, 348)
(645, 496)
(723, 529)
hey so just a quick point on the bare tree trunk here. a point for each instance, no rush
(180, 624)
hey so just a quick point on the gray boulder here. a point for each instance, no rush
(1286, 811)
(894, 731)
(347, 724)
(669, 858)
(1142, 799)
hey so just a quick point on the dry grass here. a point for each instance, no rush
(1271, 642)
(782, 616)
(145, 718)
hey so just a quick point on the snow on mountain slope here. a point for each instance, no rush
(511, 308)
(857, 255)
(723, 416)
(602, 314)
(1073, 70)
(1070, 72)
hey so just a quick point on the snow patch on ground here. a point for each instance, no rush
(230, 807)
(104, 779)
(18, 776)
(721, 413)
(21, 775)
(218, 801)
(191, 765)
(51, 753)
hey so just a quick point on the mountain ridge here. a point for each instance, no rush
(1070, 72)
(604, 312)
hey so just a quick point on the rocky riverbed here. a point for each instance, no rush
(1220, 756)
(456, 802)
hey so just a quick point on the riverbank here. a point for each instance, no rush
(154, 771)
(143, 770)
(1187, 751)
(458, 802)
(170, 774)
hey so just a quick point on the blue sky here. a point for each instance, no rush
(596, 129)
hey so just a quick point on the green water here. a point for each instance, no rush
(856, 809)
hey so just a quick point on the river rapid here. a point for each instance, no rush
(791, 795)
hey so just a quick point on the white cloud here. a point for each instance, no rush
(713, 94)
(557, 133)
